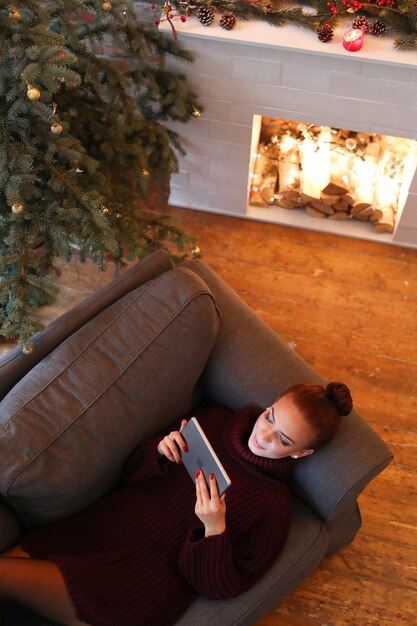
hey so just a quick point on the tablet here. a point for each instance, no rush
(201, 456)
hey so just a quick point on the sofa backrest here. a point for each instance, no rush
(15, 364)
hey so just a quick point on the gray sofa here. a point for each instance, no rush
(154, 344)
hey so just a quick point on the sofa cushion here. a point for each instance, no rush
(68, 426)
(15, 364)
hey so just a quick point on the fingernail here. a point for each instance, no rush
(184, 449)
(212, 476)
(197, 474)
(179, 461)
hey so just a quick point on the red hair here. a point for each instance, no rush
(321, 407)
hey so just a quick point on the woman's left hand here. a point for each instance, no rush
(210, 508)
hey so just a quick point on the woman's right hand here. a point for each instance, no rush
(169, 446)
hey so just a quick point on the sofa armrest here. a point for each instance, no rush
(333, 477)
(251, 364)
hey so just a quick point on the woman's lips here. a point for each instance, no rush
(257, 444)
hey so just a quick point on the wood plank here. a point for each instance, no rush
(340, 599)
(330, 311)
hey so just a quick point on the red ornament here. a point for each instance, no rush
(62, 54)
(183, 18)
(353, 39)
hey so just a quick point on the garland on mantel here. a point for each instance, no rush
(394, 17)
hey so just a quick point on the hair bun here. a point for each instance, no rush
(339, 394)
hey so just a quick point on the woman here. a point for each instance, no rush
(139, 555)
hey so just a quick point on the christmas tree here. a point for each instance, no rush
(83, 98)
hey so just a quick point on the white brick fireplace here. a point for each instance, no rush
(286, 73)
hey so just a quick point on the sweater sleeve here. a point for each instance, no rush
(145, 463)
(219, 568)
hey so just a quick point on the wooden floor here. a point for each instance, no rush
(349, 307)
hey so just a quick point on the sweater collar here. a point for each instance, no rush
(235, 437)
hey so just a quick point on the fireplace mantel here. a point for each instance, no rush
(288, 73)
(259, 33)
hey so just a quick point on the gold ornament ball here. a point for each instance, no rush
(33, 93)
(28, 349)
(18, 208)
(196, 112)
(15, 14)
(107, 6)
(195, 252)
(56, 128)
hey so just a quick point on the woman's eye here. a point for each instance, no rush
(268, 418)
(283, 442)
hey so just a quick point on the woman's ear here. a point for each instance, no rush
(301, 453)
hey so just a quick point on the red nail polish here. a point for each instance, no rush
(197, 474)
(212, 476)
(184, 449)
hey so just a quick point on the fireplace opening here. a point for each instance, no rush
(330, 173)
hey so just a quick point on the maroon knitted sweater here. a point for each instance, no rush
(139, 556)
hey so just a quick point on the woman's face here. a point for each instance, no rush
(280, 431)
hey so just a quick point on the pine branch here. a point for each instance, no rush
(407, 43)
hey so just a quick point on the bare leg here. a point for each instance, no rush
(40, 586)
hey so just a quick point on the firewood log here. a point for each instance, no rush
(377, 214)
(358, 208)
(386, 223)
(305, 199)
(256, 200)
(342, 204)
(286, 199)
(334, 190)
(313, 212)
(329, 199)
(323, 208)
(364, 215)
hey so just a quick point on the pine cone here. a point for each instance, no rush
(228, 20)
(378, 28)
(360, 21)
(325, 32)
(205, 15)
